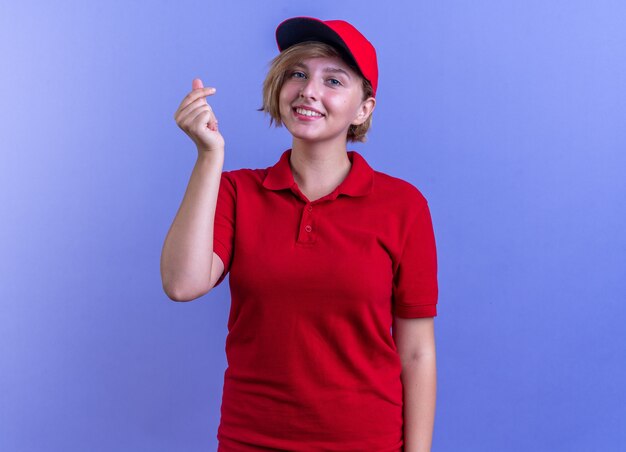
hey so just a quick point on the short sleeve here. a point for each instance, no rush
(415, 288)
(224, 225)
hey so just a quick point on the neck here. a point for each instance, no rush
(319, 166)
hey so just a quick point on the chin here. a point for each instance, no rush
(306, 135)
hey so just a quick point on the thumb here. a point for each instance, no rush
(196, 84)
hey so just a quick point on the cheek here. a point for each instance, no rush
(285, 97)
(288, 89)
(283, 108)
(340, 105)
(283, 103)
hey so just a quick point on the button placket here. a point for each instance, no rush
(306, 233)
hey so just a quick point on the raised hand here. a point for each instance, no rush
(197, 119)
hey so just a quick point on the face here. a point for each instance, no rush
(321, 98)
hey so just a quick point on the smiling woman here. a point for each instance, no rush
(333, 266)
(320, 100)
(292, 64)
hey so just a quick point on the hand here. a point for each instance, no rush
(196, 118)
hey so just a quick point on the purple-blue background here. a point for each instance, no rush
(508, 115)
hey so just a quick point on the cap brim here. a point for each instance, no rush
(301, 29)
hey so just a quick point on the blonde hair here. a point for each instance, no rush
(278, 71)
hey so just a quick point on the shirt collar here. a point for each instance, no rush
(358, 182)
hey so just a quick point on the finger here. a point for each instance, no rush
(196, 97)
(204, 120)
(193, 116)
(204, 115)
(210, 121)
(196, 84)
(192, 111)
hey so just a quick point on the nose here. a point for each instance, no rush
(310, 89)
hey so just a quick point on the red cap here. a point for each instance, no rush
(350, 43)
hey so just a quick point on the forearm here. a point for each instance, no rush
(187, 253)
(419, 380)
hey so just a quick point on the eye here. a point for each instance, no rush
(297, 74)
(334, 82)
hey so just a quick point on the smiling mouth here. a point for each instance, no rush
(307, 113)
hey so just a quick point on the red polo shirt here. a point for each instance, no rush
(312, 364)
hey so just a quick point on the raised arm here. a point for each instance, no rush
(188, 268)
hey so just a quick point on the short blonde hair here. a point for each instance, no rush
(288, 58)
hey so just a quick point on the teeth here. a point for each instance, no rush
(304, 112)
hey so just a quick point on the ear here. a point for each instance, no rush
(365, 110)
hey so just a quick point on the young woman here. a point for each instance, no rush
(333, 268)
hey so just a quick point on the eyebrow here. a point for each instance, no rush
(331, 69)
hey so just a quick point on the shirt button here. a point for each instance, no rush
(308, 228)
(310, 208)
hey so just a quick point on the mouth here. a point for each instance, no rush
(306, 113)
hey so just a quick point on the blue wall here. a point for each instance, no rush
(509, 117)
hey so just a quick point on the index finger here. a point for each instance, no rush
(195, 95)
